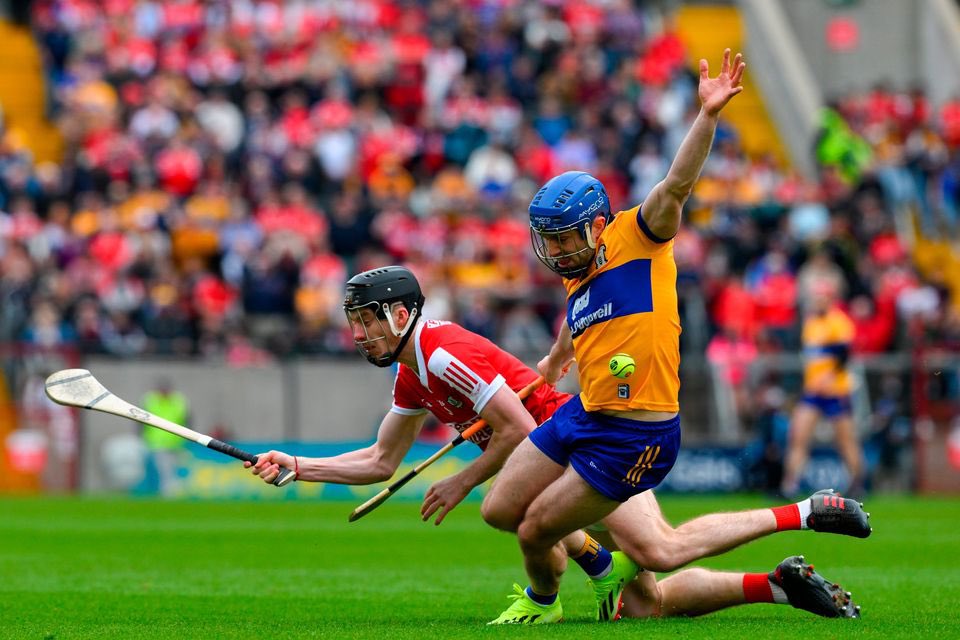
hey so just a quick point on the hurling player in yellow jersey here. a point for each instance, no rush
(621, 435)
(826, 337)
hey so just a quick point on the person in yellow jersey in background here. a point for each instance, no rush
(827, 385)
(166, 449)
(621, 435)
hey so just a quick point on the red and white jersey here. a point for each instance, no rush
(459, 371)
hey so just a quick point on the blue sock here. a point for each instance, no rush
(539, 599)
(593, 558)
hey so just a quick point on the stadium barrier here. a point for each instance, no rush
(907, 405)
(203, 474)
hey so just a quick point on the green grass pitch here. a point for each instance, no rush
(116, 568)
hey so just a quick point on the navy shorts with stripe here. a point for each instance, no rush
(616, 456)
(829, 406)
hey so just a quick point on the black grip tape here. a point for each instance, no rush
(221, 446)
(231, 450)
(402, 481)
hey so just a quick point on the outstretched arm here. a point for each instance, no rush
(663, 206)
(376, 463)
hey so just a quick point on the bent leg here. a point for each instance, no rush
(525, 474)
(564, 507)
(694, 592)
(639, 529)
(642, 598)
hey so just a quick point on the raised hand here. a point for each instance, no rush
(715, 93)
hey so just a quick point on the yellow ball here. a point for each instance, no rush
(622, 365)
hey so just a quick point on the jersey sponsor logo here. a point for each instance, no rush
(621, 291)
(480, 436)
(623, 391)
(433, 324)
(582, 323)
(454, 402)
(580, 304)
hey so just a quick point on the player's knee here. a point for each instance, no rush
(655, 550)
(652, 557)
(532, 536)
(500, 515)
(641, 601)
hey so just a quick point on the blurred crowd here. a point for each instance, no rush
(229, 164)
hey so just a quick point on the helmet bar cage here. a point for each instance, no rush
(541, 239)
(381, 311)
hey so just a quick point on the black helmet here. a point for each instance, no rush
(378, 290)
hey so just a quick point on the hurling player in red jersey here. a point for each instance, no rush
(457, 376)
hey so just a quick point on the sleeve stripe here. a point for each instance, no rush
(452, 374)
(465, 372)
(461, 377)
(461, 386)
(467, 376)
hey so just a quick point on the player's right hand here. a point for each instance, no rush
(269, 463)
(551, 370)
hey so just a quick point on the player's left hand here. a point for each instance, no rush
(715, 93)
(442, 497)
(551, 370)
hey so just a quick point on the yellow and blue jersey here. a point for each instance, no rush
(824, 338)
(628, 304)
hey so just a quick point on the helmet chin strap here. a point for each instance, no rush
(588, 236)
(404, 334)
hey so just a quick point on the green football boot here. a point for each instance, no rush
(609, 589)
(526, 611)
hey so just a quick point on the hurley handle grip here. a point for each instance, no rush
(284, 477)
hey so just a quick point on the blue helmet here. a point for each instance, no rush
(569, 201)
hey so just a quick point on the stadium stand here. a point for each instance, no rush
(228, 164)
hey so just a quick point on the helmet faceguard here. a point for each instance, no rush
(379, 291)
(569, 245)
(561, 216)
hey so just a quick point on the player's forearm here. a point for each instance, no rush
(562, 350)
(356, 467)
(499, 448)
(691, 157)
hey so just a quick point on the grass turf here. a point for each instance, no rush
(116, 568)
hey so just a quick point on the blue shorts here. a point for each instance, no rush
(618, 457)
(829, 406)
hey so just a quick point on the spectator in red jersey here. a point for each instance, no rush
(874, 323)
(734, 309)
(179, 168)
(950, 122)
(774, 290)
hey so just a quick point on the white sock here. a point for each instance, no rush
(804, 507)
